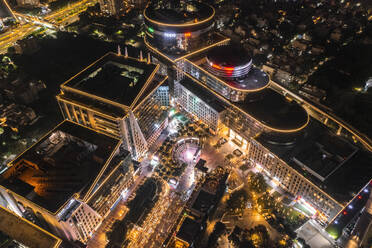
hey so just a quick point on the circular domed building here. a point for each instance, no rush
(176, 29)
(228, 70)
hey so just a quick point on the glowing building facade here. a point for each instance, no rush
(119, 96)
(67, 182)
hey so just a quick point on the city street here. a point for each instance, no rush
(31, 24)
(9, 38)
(99, 238)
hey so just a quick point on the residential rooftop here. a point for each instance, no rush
(329, 161)
(114, 79)
(65, 161)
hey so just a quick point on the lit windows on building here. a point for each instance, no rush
(199, 102)
(63, 180)
(112, 106)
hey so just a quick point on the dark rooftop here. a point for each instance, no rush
(188, 230)
(204, 201)
(242, 74)
(230, 55)
(5, 10)
(190, 12)
(113, 78)
(329, 161)
(274, 110)
(204, 94)
(65, 161)
(25, 232)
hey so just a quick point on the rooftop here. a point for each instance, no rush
(114, 79)
(188, 230)
(65, 161)
(174, 54)
(274, 110)
(203, 201)
(329, 161)
(229, 55)
(231, 65)
(5, 10)
(25, 232)
(204, 94)
(187, 13)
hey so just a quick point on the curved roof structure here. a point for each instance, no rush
(274, 111)
(233, 65)
(229, 56)
(187, 17)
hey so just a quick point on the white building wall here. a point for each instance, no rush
(292, 181)
(197, 107)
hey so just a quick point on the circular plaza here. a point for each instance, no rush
(186, 150)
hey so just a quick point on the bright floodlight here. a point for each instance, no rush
(189, 155)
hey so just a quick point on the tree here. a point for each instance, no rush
(258, 183)
(246, 243)
(218, 231)
(237, 200)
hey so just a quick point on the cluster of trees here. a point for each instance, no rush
(285, 220)
(237, 201)
(146, 197)
(257, 183)
(249, 238)
(257, 236)
(7, 67)
(218, 231)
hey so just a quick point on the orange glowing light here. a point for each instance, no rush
(188, 34)
(216, 66)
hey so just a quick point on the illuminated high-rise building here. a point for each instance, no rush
(119, 96)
